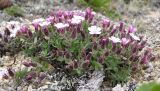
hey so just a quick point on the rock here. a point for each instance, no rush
(93, 84)
(5, 4)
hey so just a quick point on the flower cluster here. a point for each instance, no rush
(79, 42)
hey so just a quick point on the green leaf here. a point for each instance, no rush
(96, 65)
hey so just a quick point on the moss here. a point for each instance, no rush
(152, 86)
(103, 6)
(14, 11)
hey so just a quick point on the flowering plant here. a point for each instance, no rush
(78, 43)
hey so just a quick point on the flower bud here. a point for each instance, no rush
(95, 46)
(144, 59)
(42, 75)
(74, 34)
(88, 57)
(101, 59)
(153, 58)
(112, 32)
(121, 26)
(134, 49)
(119, 50)
(30, 76)
(87, 63)
(26, 64)
(147, 52)
(106, 53)
(103, 42)
(105, 23)
(46, 31)
(29, 34)
(33, 64)
(113, 46)
(36, 26)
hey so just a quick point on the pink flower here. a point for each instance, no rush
(132, 29)
(125, 41)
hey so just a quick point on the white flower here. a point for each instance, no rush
(94, 30)
(44, 24)
(114, 39)
(38, 20)
(75, 21)
(78, 17)
(61, 25)
(134, 36)
(14, 31)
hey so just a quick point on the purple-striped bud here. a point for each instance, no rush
(121, 26)
(24, 29)
(143, 43)
(46, 31)
(87, 63)
(36, 26)
(30, 76)
(105, 23)
(42, 75)
(101, 59)
(29, 33)
(26, 64)
(59, 13)
(88, 12)
(118, 50)
(112, 32)
(153, 58)
(147, 52)
(95, 45)
(74, 34)
(134, 57)
(103, 42)
(106, 53)
(113, 46)
(144, 60)
(134, 49)
(89, 55)
(33, 64)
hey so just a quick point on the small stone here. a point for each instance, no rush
(5, 4)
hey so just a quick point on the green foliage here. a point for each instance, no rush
(14, 11)
(117, 70)
(19, 75)
(152, 86)
(75, 50)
